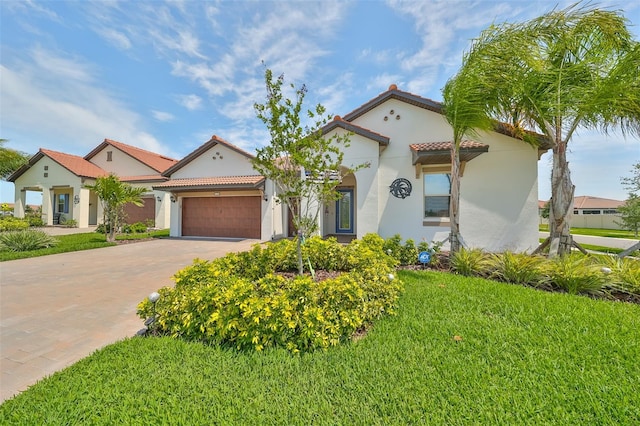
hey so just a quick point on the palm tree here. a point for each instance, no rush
(573, 68)
(10, 160)
(114, 195)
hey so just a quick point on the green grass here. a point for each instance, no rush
(78, 242)
(612, 233)
(526, 357)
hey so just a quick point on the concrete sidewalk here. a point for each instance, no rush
(57, 309)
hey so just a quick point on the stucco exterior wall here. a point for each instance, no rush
(217, 161)
(58, 180)
(121, 164)
(498, 201)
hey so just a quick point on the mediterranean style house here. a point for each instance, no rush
(405, 139)
(62, 180)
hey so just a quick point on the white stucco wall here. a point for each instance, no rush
(217, 161)
(58, 181)
(498, 200)
(122, 164)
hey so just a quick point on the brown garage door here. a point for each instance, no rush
(140, 214)
(230, 217)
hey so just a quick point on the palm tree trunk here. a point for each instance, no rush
(454, 206)
(561, 205)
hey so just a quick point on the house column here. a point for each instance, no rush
(20, 202)
(81, 206)
(47, 206)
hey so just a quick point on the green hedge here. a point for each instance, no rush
(10, 223)
(241, 300)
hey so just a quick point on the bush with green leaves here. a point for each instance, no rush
(26, 240)
(576, 273)
(135, 228)
(10, 223)
(470, 262)
(517, 268)
(242, 300)
(624, 274)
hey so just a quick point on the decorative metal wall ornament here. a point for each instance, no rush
(400, 188)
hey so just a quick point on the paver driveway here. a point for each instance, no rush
(55, 310)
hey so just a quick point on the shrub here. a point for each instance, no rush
(469, 262)
(237, 300)
(26, 240)
(10, 223)
(517, 268)
(625, 273)
(135, 228)
(575, 273)
(35, 221)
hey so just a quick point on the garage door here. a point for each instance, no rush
(230, 217)
(140, 214)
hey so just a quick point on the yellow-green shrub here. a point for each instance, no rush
(237, 300)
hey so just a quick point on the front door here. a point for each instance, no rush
(344, 212)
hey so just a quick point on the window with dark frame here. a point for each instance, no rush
(62, 203)
(109, 155)
(437, 195)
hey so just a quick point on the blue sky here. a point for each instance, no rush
(165, 76)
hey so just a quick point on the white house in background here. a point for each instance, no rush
(62, 179)
(592, 212)
(405, 139)
(215, 192)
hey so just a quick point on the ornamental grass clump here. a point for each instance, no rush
(576, 273)
(249, 301)
(517, 268)
(26, 240)
(624, 274)
(469, 262)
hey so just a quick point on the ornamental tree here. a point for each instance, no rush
(304, 164)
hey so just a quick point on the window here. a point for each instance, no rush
(109, 155)
(610, 211)
(437, 194)
(62, 202)
(590, 211)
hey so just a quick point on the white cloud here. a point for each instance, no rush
(72, 115)
(191, 102)
(116, 38)
(162, 116)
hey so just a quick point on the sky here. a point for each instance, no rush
(166, 76)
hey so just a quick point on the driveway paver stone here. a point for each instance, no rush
(58, 309)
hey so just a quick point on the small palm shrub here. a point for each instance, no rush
(26, 240)
(576, 273)
(242, 301)
(10, 223)
(625, 273)
(469, 262)
(517, 268)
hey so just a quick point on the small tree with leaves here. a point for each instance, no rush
(10, 160)
(113, 195)
(304, 164)
(630, 211)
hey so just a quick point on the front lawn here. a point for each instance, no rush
(459, 351)
(78, 242)
(611, 233)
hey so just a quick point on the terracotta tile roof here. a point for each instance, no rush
(394, 93)
(587, 202)
(157, 162)
(212, 182)
(445, 146)
(201, 150)
(75, 164)
(440, 152)
(142, 178)
(358, 130)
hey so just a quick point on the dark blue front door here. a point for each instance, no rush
(344, 212)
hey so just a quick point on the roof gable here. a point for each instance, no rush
(350, 127)
(157, 162)
(215, 140)
(431, 105)
(74, 163)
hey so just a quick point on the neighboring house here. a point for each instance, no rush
(405, 140)
(593, 212)
(215, 192)
(62, 179)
